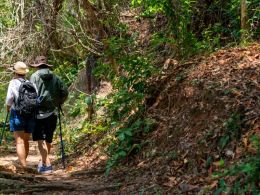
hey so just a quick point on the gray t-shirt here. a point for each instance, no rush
(12, 92)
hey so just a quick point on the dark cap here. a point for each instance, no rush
(40, 60)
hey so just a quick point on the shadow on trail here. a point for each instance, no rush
(16, 180)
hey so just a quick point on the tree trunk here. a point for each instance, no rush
(92, 82)
(52, 35)
(243, 19)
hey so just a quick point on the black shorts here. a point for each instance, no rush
(45, 128)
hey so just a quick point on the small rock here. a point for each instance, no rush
(229, 153)
(187, 187)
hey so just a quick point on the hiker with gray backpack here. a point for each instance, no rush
(21, 103)
(52, 93)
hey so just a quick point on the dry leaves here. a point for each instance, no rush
(192, 106)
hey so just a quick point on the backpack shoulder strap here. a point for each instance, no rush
(19, 91)
(22, 80)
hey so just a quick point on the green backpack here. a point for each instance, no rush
(52, 92)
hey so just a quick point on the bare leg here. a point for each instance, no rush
(26, 143)
(49, 147)
(20, 146)
(44, 152)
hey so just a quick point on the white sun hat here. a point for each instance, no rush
(20, 68)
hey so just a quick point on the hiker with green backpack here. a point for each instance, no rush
(52, 93)
(21, 102)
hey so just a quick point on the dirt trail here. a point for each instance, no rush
(14, 180)
(11, 158)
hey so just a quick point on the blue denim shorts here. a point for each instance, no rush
(20, 123)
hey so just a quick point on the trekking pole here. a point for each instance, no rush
(61, 141)
(3, 131)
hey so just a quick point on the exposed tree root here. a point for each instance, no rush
(9, 183)
(14, 176)
(22, 188)
(88, 172)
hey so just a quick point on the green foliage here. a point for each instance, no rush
(222, 187)
(6, 77)
(232, 130)
(253, 18)
(78, 107)
(6, 15)
(151, 7)
(126, 142)
(233, 125)
(71, 138)
(74, 136)
(125, 106)
(3, 91)
(224, 140)
(211, 37)
(179, 15)
(255, 139)
(66, 70)
(74, 107)
(246, 172)
(219, 22)
(194, 26)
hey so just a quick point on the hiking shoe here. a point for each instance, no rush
(39, 166)
(45, 169)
